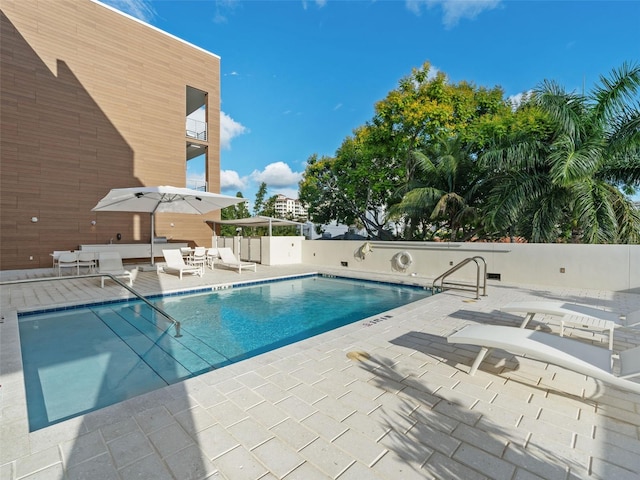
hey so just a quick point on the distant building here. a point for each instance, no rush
(289, 207)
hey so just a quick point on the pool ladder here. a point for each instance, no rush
(481, 280)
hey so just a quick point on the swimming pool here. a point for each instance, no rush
(82, 359)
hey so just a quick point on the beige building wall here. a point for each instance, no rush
(92, 99)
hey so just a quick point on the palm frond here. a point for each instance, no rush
(546, 219)
(628, 218)
(566, 110)
(615, 91)
(510, 195)
(446, 203)
(522, 154)
(594, 212)
(569, 164)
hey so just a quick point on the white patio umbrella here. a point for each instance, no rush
(163, 199)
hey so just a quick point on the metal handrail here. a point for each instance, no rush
(461, 286)
(172, 320)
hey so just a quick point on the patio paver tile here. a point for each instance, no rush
(216, 441)
(279, 457)
(129, 448)
(433, 418)
(490, 465)
(250, 433)
(150, 467)
(327, 457)
(240, 464)
(98, 468)
(170, 439)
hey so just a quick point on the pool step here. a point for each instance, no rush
(190, 344)
(152, 338)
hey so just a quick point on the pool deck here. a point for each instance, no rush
(310, 411)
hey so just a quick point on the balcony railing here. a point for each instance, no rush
(196, 129)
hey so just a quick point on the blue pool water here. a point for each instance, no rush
(79, 360)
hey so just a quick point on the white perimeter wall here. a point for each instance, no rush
(282, 250)
(609, 267)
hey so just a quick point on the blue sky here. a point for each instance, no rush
(298, 76)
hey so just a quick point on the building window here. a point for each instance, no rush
(196, 125)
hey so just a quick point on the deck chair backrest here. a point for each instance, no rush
(86, 256)
(56, 253)
(110, 261)
(227, 255)
(632, 319)
(68, 257)
(173, 256)
(630, 363)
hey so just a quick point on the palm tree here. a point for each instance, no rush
(441, 195)
(567, 180)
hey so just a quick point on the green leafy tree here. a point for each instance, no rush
(269, 207)
(426, 108)
(233, 212)
(258, 206)
(435, 130)
(352, 188)
(566, 181)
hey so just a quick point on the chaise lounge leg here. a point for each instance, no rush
(527, 318)
(481, 356)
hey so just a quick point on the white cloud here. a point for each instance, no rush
(229, 129)
(230, 180)
(277, 174)
(319, 3)
(196, 179)
(140, 9)
(222, 8)
(453, 10)
(517, 100)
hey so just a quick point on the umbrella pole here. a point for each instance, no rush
(152, 230)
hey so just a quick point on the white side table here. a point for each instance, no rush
(591, 323)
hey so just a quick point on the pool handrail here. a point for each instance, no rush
(172, 320)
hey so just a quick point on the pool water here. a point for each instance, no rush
(79, 360)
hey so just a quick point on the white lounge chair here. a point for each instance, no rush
(228, 259)
(571, 354)
(578, 316)
(175, 263)
(560, 309)
(111, 263)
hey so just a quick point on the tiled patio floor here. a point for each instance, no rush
(307, 411)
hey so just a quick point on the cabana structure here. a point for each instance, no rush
(267, 250)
